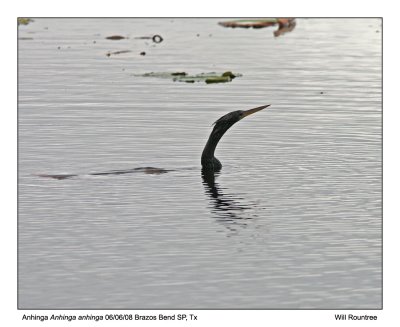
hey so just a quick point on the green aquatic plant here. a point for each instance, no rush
(208, 78)
(24, 21)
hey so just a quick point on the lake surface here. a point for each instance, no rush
(294, 218)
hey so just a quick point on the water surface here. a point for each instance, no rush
(293, 220)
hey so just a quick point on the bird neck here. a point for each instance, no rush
(208, 159)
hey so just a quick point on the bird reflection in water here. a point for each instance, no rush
(227, 207)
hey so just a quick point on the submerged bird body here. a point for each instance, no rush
(209, 163)
(208, 160)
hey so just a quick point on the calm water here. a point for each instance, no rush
(293, 220)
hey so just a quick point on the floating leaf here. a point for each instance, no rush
(209, 78)
(24, 21)
(256, 23)
(284, 24)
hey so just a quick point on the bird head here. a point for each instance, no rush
(226, 121)
(208, 160)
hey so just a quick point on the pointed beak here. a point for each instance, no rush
(252, 111)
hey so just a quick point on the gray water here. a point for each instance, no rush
(294, 217)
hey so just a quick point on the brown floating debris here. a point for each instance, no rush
(117, 52)
(284, 24)
(115, 37)
(285, 27)
(255, 23)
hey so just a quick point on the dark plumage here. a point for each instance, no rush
(208, 160)
(209, 163)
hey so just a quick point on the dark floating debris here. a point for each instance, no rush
(284, 24)
(255, 23)
(117, 52)
(156, 38)
(24, 21)
(143, 53)
(208, 78)
(179, 74)
(115, 37)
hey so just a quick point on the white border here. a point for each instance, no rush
(10, 316)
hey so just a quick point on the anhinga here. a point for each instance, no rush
(208, 161)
